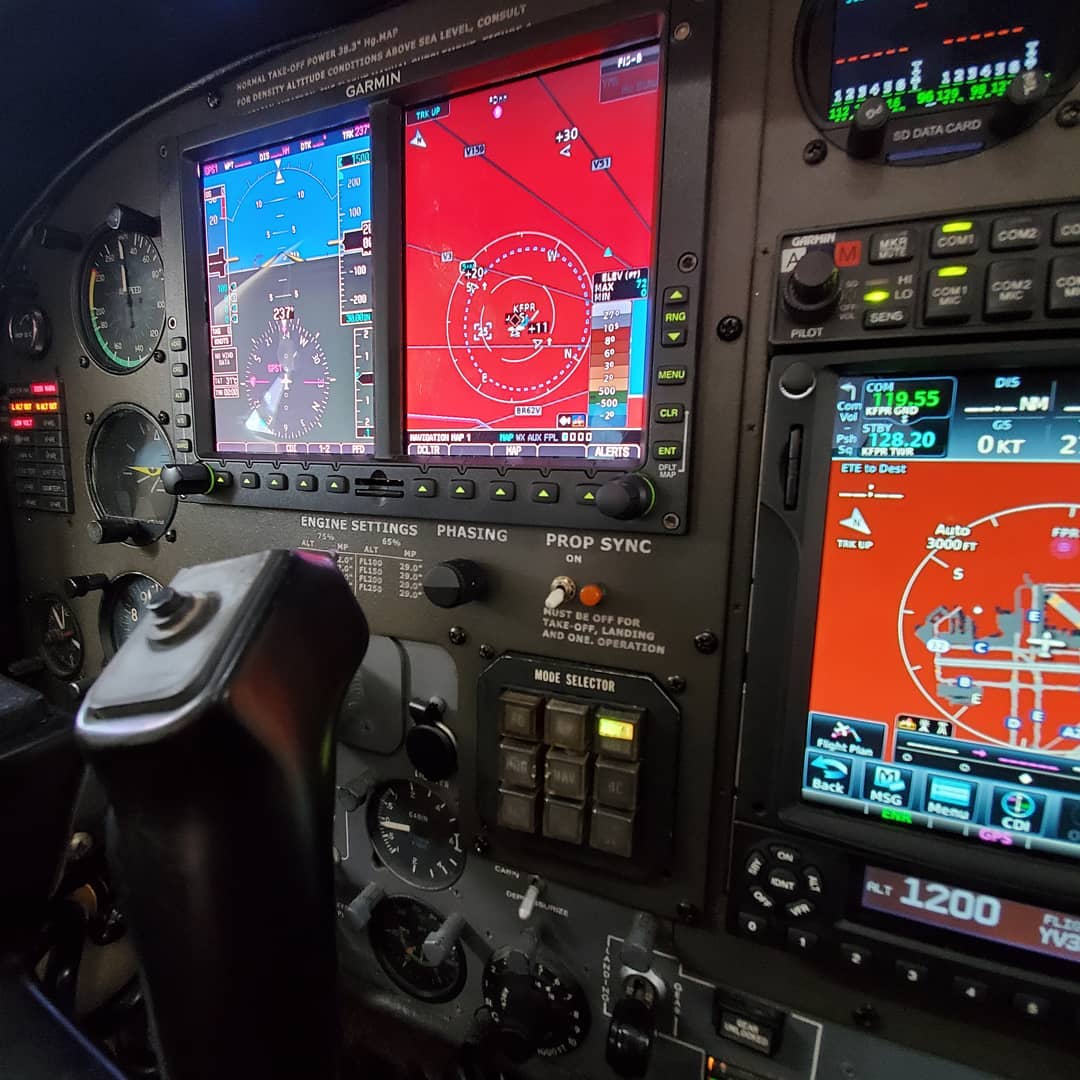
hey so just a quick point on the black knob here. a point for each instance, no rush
(813, 287)
(866, 136)
(29, 331)
(124, 218)
(82, 584)
(194, 479)
(630, 1037)
(1021, 103)
(430, 744)
(450, 584)
(627, 497)
(114, 531)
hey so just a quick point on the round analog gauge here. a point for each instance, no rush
(415, 833)
(128, 450)
(287, 381)
(398, 928)
(60, 642)
(123, 607)
(122, 300)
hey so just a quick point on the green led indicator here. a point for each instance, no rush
(957, 227)
(953, 271)
(877, 296)
(901, 817)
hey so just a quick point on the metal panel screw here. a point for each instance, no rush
(163, 151)
(671, 521)
(676, 683)
(487, 652)
(481, 845)
(706, 642)
(163, 417)
(681, 32)
(213, 99)
(158, 356)
(458, 635)
(815, 152)
(88, 417)
(686, 912)
(866, 1017)
(170, 537)
(84, 361)
(687, 262)
(729, 328)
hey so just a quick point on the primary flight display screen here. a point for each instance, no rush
(289, 274)
(924, 55)
(945, 689)
(530, 212)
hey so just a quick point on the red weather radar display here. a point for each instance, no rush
(529, 227)
(946, 676)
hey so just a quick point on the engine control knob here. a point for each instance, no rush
(1023, 97)
(866, 136)
(81, 584)
(536, 1005)
(453, 583)
(439, 944)
(632, 1030)
(430, 744)
(194, 479)
(124, 218)
(113, 531)
(357, 914)
(626, 497)
(813, 287)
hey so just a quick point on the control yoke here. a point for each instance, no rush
(212, 730)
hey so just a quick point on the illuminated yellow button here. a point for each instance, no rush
(877, 296)
(618, 732)
(951, 227)
(609, 728)
(952, 271)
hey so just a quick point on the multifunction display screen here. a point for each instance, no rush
(1020, 926)
(530, 211)
(289, 273)
(926, 54)
(945, 691)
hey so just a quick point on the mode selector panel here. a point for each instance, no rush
(1015, 269)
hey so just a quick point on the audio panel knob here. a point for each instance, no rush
(626, 497)
(813, 287)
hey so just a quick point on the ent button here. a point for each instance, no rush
(950, 295)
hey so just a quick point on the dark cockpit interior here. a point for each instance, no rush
(540, 540)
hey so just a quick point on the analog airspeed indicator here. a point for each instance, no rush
(415, 833)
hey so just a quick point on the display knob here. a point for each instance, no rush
(626, 497)
(453, 583)
(125, 219)
(1018, 108)
(430, 744)
(114, 531)
(813, 287)
(194, 479)
(866, 136)
(82, 584)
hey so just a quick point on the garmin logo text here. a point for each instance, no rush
(373, 83)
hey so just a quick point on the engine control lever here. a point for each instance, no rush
(212, 730)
